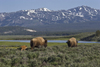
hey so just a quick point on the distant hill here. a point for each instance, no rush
(91, 26)
(16, 30)
(52, 29)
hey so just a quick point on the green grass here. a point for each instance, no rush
(15, 37)
(13, 44)
(18, 44)
(28, 37)
(77, 36)
(55, 55)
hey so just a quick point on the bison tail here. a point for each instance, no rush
(77, 41)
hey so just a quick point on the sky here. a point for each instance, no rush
(16, 5)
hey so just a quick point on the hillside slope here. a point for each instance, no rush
(71, 27)
(16, 30)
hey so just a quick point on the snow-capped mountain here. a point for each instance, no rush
(45, 16)
(43, 9)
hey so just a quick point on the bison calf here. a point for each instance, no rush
(23, 47)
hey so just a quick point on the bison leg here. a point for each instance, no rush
(21, 49)
(31, 48)
(34, 45)
(37, 46)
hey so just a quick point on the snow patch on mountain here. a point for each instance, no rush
(31, 18)
(96, 11)
(79, 14)
(80, 8)
(63, 14)
(30, 30)
(24, 10)
(7, 32)
(85, 8)
(74, 9)
(43, 9)
(2, 15)
(22, 17)
(30, 11)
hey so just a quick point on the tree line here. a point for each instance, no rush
(98, 33)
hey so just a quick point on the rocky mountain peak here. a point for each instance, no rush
(43, 9)
(45, 16)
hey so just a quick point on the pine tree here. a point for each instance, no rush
(97, 33)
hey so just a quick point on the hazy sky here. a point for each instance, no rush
(16, 5)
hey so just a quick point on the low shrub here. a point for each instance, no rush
(84, 55)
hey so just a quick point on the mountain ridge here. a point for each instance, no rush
(42, 16)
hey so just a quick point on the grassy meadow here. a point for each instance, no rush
(15, 37)
(55, 55)
(28, 37)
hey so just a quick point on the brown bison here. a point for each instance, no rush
(72, 42)
(38, 41)
(23, 47)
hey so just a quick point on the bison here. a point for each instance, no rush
(72, 42)
(23, 47)
(38, 41)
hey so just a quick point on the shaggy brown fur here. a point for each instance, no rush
(72, 42)
(38, 41)
(23, 47)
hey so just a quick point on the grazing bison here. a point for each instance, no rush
(23, 47)
(72, 42)
(38, 41)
